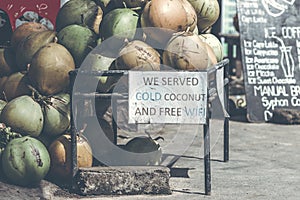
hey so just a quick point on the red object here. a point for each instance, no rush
(44, 8)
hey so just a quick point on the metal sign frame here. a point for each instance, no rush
(212, 92)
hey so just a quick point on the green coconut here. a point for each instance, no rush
(56, 114)
(103, 3)
(95, 62)
(208, 12)
(24, 115)
(145, 144)
(120, 23)
(142, 144)
(25, 161)
(81, 12)
(214, 43)
(106, 5)
(6, 135)
(79, 41)
(131, 3)
(2, 104)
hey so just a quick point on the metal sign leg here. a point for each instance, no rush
(207, 171)
(74, 166)
(226, 139)
(226, 120)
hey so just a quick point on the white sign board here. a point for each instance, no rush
(167, 97)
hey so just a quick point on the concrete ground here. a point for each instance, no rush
(264, 164)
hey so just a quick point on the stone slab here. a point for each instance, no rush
(123, 180)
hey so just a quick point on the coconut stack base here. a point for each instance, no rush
(123, 180)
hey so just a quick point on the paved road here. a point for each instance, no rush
(264, 164)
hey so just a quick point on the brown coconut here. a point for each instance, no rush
(30, 45)
(138, 55)
(186, 51)
(170, 15)
(49, 69)
(24, 30)
(61, 157)
(211, 55)
(7, 62)
(16, 85)
(2, 83)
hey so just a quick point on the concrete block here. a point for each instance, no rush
(123, 180)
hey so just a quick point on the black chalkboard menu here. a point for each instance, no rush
(270, 47)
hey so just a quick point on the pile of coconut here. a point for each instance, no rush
(91, 35)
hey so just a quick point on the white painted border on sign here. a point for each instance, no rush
(167, 97)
